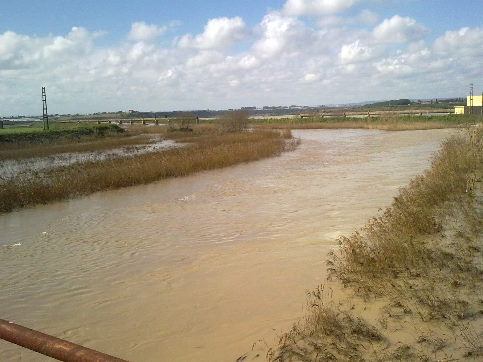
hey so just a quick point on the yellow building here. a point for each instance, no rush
(477, 102)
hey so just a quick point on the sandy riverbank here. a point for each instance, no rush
(407, 286)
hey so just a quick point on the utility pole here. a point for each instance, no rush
(45, 116)
(471, 98)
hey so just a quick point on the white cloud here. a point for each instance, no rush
(464, 41)
(140, 31)
(13, 49)
(330, 21)
(311, 77)
(202, 71)
(139, 50)
(203, 58)
(316, 7)
(249, 62)
(218, 33)
(354, 53)
(234, 82)
(367, 17)
(281, 34)
(399, 30)
(19, 51)
(397, 65)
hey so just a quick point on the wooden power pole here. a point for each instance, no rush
(471, 98)
(45, 116)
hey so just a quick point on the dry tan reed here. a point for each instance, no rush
(203, 153)
(386, 125)
(386, 245)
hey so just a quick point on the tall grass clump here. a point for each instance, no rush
(327, 333)
(389, 244)
(235, 121)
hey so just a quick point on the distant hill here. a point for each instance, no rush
(393, 102)
(419, 103)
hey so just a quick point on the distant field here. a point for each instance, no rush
(38, 127)
(386, 122)
(58, 131)
(75, 130)
(452, 118)
(7, 129)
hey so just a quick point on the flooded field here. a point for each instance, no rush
(198, 268)
(28, 167)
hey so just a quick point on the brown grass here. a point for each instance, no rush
(386, 125)
(175, 131)
(412, 277)
(327, 333)
(208, 150)
(387, 244)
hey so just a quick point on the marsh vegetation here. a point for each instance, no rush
(388, 122)
(205, 147)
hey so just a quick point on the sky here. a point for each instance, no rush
(148, 55)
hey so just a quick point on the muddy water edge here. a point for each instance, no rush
(199, 267)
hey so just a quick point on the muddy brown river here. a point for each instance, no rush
(198, 268)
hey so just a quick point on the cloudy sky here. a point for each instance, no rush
(102, 55)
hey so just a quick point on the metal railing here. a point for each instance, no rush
(51, 346)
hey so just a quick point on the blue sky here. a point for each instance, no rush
(162, 55)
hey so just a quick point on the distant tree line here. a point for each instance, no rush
(393, 102)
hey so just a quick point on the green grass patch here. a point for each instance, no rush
(35, 134)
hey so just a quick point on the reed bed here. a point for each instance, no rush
(204, 152)
(387, 244)
(175, 129)
(386, 126)
(408, 286)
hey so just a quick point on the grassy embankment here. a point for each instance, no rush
(207, 147)
(26, 142)
(386, 122)
(412, 278)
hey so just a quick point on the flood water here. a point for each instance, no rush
(10, 169)
(198, 268)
